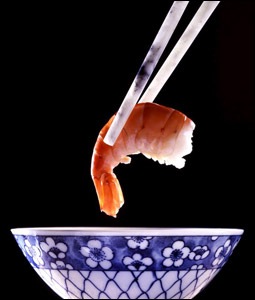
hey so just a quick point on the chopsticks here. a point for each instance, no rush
(179, 50)
(164, 34)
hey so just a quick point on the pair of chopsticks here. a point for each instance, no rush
(160, 42)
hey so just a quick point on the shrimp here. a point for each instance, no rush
(158, 132)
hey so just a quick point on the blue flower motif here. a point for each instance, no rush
(176, 254)
(60, 265)
(97, 254)
(199, 252)
(137, 262)
(221, 253)
(54, 250)
(197, 267)
(138, 242)
(34, 252)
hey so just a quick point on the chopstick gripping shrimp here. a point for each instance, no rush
(158, 132)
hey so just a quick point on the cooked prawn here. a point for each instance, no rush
(158, 132)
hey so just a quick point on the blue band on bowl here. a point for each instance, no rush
(127, 253)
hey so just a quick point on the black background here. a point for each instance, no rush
(68, 70)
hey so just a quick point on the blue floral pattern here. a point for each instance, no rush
(175, 254)
(34, 253)
(143, 267)
(55, 250)
(120, 253)
(199, 252)
(97, 255)
(137, 262)
(60, 265)
(221, 253)
(141, 242)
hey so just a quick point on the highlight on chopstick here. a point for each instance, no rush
(158, 132)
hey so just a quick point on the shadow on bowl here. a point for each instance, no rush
(127, 263)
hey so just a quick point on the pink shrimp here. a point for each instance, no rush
(158, 132)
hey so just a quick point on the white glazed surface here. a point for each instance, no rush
(111, 231)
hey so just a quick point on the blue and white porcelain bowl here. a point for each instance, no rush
(127, 263)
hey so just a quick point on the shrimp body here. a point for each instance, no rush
(158, 132)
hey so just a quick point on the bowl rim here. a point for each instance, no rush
(126, 231)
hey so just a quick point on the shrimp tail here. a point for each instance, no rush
(109, 193)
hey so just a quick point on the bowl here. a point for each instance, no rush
(127, 263)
